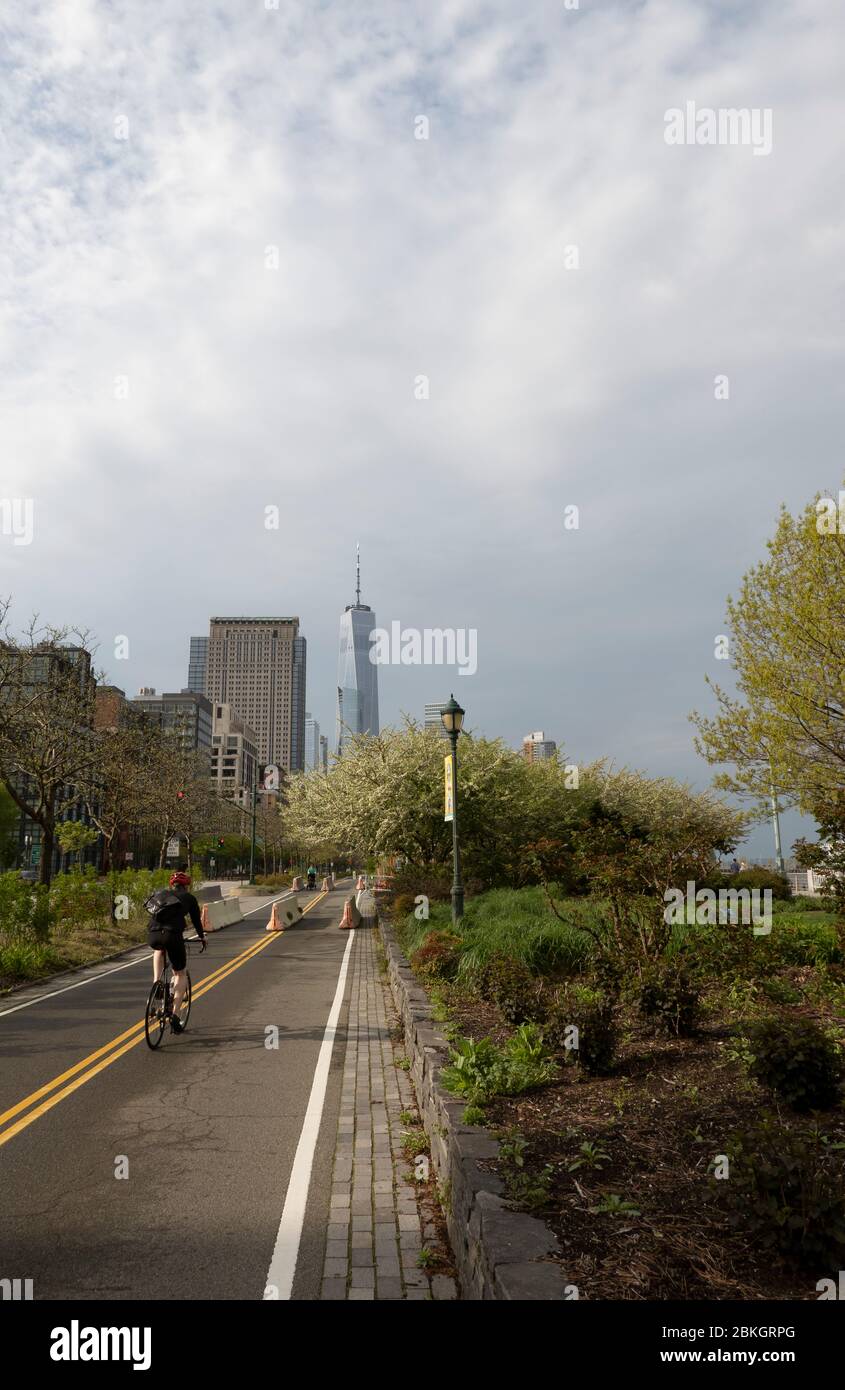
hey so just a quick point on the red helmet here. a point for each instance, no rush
(180, 880)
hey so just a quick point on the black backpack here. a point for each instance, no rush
(159, 900)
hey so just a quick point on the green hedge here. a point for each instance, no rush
(73, 899)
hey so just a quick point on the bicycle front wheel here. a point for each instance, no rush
(155, 1017)
(185, 1006)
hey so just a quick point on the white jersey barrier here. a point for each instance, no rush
(222, 914)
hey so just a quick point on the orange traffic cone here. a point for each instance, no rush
(204, 919)
(274, 924)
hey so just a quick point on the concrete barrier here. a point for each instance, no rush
(224, 913)
(289, 912)
(209, 894)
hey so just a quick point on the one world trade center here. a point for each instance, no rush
(357, 675)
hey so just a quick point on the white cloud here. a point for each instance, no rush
(294, 128)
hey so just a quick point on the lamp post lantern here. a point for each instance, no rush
(453, 717)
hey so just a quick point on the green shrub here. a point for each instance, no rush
(796, 1060)
(403, 905)
(434, 880)
(438, 957)
(802, 941)
(25, 960)
(78, 897)
(669, 997)
(513, 989)
(480, 1069)
(785, 1189)
(595, 1015)
(761, 878)
(780, 991)
(18, 901)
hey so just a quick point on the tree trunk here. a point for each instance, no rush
(48, 841)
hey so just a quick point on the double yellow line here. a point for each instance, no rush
(97, 1061)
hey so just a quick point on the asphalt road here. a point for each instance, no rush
(206, 1128)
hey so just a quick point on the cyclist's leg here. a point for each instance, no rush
(158, 964)
(179, 961)
(180, 984)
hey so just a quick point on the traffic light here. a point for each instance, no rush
(220, 841)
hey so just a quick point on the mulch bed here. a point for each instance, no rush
(668, 1108)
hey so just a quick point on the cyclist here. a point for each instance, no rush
(165, 936)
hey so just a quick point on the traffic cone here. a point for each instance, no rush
(204, 919)
(274, 924)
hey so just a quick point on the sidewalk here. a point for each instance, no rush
(378, 1226)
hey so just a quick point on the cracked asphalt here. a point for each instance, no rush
(205, 1129)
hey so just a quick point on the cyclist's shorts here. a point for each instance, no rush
(173, 942)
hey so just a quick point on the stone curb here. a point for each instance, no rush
(499, 1253)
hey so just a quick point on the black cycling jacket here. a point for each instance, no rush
(174, 917)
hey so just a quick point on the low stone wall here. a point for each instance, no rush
(499, 1253)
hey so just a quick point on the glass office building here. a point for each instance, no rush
(197, 665)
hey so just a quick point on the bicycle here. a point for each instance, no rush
(159, 1009)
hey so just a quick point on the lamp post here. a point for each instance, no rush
(252, 842)
(453, 717)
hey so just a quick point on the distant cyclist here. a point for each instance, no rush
(169, 910)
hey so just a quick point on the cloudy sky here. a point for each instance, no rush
(228, 260)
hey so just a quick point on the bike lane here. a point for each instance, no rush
(164, 1174)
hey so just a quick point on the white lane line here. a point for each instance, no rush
(40, 999)
(279, 1282)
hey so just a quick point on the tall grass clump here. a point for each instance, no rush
(517, 923)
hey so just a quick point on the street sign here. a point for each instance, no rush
(449, 788)
(173, 848)
(35, 855)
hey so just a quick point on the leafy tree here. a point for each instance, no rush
(384, 797)
(641, 837)
(75, 836)
(46, 744)
(786, 726)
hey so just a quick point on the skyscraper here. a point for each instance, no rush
(297, 704)
(433, 720)
(197, 664)
(312, 743)
(357, 676)
(257, 665)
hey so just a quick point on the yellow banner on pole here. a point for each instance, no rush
(449, 787)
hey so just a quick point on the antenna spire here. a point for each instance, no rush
(358, 569)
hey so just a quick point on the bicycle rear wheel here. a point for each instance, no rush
(155, 1017)
(185, 1006)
